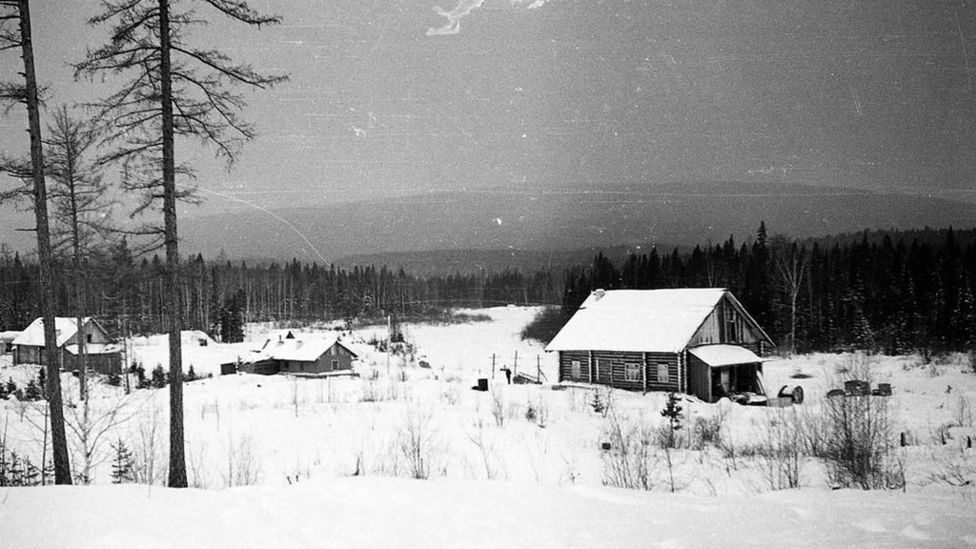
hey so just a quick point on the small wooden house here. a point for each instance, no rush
(7, 341)
(699, 341)
(101, 354)
(290, 355)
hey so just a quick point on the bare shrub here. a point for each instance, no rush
(89, 427)
(451, 394)
(537, 413)
(243, 467)
(148, 454)
(956, 468)
(542, 414)
(627, 463)
(372, 392)
(602, 401)
(416, 443)
(964, 412)
(498, 408)
(856, 433)
(857, 446)
(707, 431)
(489, 458)
(779, 453)
(196, 458)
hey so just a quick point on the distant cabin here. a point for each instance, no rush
(7, 341)
(699, 341)
(287, 354)
(102, 354)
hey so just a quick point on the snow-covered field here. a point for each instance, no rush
(294, 462)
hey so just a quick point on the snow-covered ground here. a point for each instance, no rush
(385, 512)
(288, 462)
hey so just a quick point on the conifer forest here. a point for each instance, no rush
(877, 291)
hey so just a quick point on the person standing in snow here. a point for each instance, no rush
(508, 374)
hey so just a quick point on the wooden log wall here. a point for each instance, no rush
(610, 368)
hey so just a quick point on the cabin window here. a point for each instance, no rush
(731, 327)
(575, 371)
(662, 373)
(88, 338)
(631, 372)
(335, 364)
(599, 366)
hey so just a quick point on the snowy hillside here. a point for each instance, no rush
(304, 462)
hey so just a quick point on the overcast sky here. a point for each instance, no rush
(405, 96)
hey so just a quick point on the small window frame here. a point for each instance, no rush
(663, 375)
(632, 371)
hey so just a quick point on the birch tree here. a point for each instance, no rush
(15, 34)
(174, 90)
(791, 263)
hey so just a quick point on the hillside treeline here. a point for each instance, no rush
(127, 294)
(886, 294)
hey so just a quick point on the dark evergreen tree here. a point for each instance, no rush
(673, 413)
(122, 463)
(158, 377)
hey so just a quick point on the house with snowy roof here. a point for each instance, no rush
(101, 353)
(288, 354)
(699, 341)
(7, 341)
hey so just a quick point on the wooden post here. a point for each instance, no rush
(682, 356)
(538, 369)
(644, 373)
(589, 367)
(515, 364)
(492, 365)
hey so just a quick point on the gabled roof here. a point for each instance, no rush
(65, 327)
(9, 335)
(300, 350)
(637, 320)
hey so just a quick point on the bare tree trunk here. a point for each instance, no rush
(177, 459)
(59, 443)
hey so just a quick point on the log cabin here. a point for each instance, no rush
(698, 341)
(101, 353)
(288, 354)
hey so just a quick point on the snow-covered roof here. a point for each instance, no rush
(9, 335)
(95, 348)
(725, 355)
(637, 320)
(65, 327)
(302, 350)
(193, 336)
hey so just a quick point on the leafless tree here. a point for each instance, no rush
(176, 90)
(92, 428)
(791, 263)
(80, 202)
(17, 13)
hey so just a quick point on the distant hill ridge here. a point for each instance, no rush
(551, 221)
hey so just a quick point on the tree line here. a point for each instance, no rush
(882, 292)
(126, 293)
